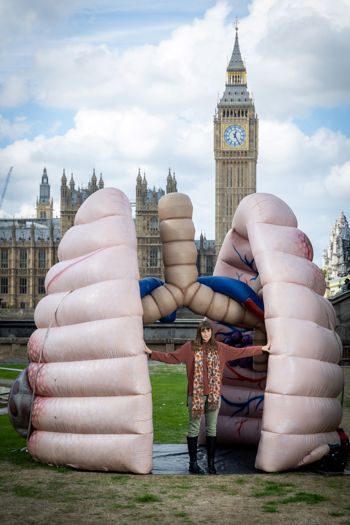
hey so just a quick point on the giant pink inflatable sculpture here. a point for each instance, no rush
(92, 407)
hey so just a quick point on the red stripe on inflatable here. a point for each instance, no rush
(70, 265)
(253, 307)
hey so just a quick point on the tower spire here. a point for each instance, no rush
(44, 205)
(236, 63)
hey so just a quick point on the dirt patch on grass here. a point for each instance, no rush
(50, 495)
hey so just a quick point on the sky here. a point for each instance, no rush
(122, 85)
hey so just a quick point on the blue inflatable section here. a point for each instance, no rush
(148, 284)
(169, 318)
(237, 290)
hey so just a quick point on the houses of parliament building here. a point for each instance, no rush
(28, 247)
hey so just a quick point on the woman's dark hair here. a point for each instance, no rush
(197, 343)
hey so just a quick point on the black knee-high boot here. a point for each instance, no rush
(211, 442)
(194, 468)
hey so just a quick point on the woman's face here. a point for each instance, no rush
(206, 334)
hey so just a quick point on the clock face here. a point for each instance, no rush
(235, 136)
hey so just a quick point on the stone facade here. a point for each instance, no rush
(28, 248)
(235, 146)
(337, 256)
(147, 225)
(205, 255)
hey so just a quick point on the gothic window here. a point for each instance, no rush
(41, 285)
(4, 258)
(153, 257)
(42, 259)
(43, 215)
(22, 285)
(2, 304)
(153, 223)
(229, 176)
(4, 285)
(209, 265)
(23, 258)
(229, 204)
(240, 176)
(22, 305)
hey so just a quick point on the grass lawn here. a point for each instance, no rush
(10, 374)
(42, 494)
(169, 392)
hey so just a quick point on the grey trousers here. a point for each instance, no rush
(211, 417)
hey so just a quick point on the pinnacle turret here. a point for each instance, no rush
(44, 178)
(174, 182)
(44, 192)
(171, 184)
(236, 62)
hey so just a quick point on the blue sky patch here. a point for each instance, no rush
(337, 119)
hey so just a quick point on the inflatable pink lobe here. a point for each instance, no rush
(93, 408)
(301, 410)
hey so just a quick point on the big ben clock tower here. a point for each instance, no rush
(235, 145)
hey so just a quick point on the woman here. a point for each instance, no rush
(205, 359)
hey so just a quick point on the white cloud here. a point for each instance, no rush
(288, 155)
(295, 53)
(337, 182)
(13, 92)
(26, 211)
(179, 74)
(12, 130)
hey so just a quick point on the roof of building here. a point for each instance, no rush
(235, 95)
(25, 228)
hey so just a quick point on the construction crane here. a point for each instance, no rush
(5, 186)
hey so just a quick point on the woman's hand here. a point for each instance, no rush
(147, 350)
(266, 348)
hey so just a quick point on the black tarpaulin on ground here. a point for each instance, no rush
(173, 459)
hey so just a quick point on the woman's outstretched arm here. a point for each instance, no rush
(231, 352)
(180, 355)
